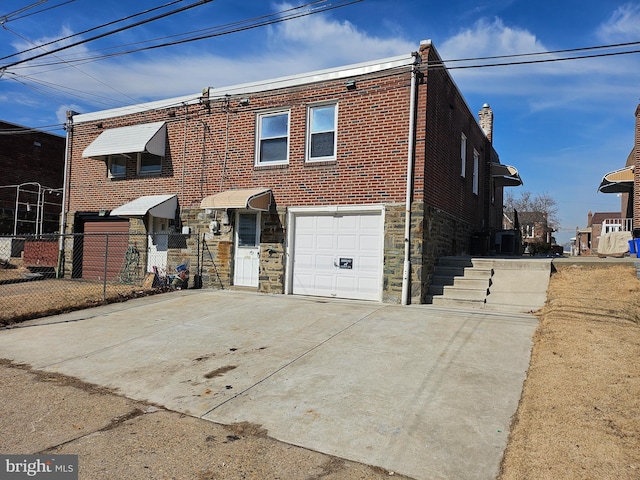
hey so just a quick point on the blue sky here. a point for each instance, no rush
(562, 124)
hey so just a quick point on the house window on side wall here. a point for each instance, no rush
(476, 161)
(321, 133)
(273, 138)
(463, 155)
(116, 166)
(149, 164)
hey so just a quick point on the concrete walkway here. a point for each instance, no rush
(420, 390)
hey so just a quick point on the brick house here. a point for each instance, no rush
(626, 183)
(31, 169)
(299, 185)
(598, 223)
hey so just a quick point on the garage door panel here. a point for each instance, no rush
(346, 253)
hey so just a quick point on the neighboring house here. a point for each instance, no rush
(31, 171)
(626, 183)
(299, 185)
(598, 224)
(535, 228)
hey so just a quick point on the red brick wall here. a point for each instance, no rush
(371, 151)
(22, 160)
(446, 118)
(636, 183)
(371, 163)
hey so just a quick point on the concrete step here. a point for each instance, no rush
(454, 303)
(459, 293)
(501, 284)
(463, 282)
(467, 272)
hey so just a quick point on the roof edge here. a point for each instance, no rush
(327, 74)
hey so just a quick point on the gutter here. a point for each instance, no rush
(406, 271)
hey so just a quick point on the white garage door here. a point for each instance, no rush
(338, 255)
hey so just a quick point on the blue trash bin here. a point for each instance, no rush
(632, 247)
(637, 242)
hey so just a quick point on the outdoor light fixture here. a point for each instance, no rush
(351, 85)
(244, 102)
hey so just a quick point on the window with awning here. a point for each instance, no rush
(143, 144)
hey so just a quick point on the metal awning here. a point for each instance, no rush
(147, 137)
(505, 175)
(618, 181)
(162, 206)
(254, 199)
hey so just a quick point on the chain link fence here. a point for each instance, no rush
(48, 274)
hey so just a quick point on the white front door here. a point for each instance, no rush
(338, 255)
(247, 251)
(158, 244)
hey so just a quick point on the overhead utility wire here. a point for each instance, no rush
(550, 52)
(5, 18)
(72, 66)
(530, 62)
(240, 26)
(42, 10)
(91, 29)
(117, 30)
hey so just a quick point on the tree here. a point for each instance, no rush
(529, 202)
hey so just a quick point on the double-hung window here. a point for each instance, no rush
(321, 132)
(149, 164)
(463, 155)
(476, 162)
(273, 138)
(117, 166)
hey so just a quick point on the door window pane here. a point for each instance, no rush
(247, 229)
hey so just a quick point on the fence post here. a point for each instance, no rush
(106, 259)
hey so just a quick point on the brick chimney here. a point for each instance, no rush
(486, 121)
(589, 218)
(636, 177)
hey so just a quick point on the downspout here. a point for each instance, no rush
(406, 272)
(65, 198)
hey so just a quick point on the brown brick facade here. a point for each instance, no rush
(211, 147)
(30, 156)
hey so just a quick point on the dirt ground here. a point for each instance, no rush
(43, 296)
(577, 418)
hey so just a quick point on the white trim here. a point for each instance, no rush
(476, 163)
(259, 117)
(338, 73)
(309, 133)
(292, 212)
(463, 155)
(110, 159)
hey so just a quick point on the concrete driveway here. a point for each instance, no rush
(423, 391)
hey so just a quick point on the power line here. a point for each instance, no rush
(531, 62)
(549, 52)
(40, 11)
(90, 29)
(106, 34)
(74, 67)
(235, 27)
(5, 18)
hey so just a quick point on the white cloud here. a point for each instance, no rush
(622, 26)
(329, 42)
(296, 46)
(490, 38)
